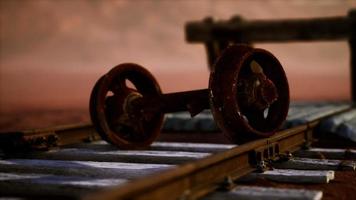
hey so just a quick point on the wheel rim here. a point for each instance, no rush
(113, 111)
(238, 118)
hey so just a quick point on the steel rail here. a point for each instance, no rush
(191, 180)
(46, 138)
(195, 179)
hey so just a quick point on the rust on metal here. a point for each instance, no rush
(246, 91)
(246, 96)
(46, 138)
(286, 30)
(200, 177)
(115, 107)
(218, 34)
(194, 180)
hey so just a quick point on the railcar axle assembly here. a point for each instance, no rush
(248, 94)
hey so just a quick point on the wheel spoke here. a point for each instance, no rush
(256, 118)
(123, 123)
(118, 86)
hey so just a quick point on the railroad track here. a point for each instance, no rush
(75, 168)
(72, 162)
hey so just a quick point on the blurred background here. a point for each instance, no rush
(52, 52)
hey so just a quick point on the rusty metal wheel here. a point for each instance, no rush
(249, 95)
(115, 108)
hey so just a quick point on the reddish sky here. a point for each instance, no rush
(52, 52)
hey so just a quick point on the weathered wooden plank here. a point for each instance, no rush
(315, 113)
(331, 124)
(50, 185)
(191, 147)
(81, 168)
(348, 130)
(100, 145)
(184, 122)
(265, 193)
(327, 110)
(327, 153)
(162, 146)
(205, 122)
(299, 113)
(292, 176)
(132, 156)
(315, 164)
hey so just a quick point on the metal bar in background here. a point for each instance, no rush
(352, 44)
(238, 30)
(292, 30)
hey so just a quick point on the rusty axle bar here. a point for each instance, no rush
(246, 83)
(193, 101)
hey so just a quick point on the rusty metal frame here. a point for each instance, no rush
(217, 35)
